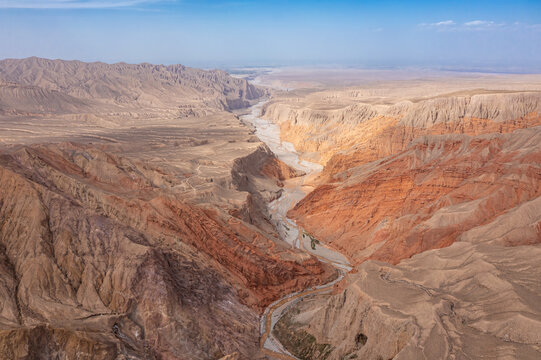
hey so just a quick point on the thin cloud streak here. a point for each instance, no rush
(71, 4)
(444, 23)
(479, 23)
(476, 25)
(438, 24)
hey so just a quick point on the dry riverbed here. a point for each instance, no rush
(294, 190)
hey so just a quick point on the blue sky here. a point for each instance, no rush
(459, 34)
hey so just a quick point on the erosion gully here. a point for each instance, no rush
(294, 190)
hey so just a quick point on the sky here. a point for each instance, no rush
(492, 35)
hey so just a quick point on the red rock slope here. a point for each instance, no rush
(428, 177)
(426, 196)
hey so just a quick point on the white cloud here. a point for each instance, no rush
(483, 25)
(438, 24)
(479, 23)
(444, 23)
(473, 25)
(70, 4)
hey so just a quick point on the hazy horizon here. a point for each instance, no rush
(494, 36)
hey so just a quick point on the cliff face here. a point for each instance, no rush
(404, 178)
(370, 131)
(104, 260)
(426, 196)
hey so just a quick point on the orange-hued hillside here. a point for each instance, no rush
(431, 187)
(404, 176)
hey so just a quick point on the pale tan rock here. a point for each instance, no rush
(464, 301)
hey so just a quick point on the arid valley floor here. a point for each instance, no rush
(166, 212)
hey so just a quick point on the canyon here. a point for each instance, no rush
(166, 212)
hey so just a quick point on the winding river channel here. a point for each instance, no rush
(294, 190)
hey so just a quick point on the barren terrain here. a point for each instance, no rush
(133, 219)
(438, 176)
(147, 213)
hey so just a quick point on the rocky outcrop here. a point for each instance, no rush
(261, 175)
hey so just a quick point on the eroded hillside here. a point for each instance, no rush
(433, 191)
(404, 177)
(132, 214)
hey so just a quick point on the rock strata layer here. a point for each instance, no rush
(412, 176)
(436, 199)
